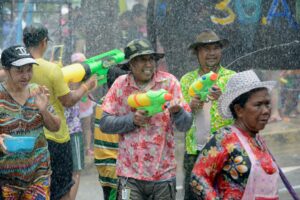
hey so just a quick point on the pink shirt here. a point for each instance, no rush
(146, 153)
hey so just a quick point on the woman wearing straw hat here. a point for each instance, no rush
(235, 163)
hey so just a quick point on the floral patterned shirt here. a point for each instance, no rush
(223, 166)
(145, 153)
(73, 120)
(216, 120)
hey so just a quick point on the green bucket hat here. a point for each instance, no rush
(208, 37)
(140, 47)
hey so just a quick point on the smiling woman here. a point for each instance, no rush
(236, 158)
(24, 112)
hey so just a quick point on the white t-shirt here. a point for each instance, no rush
(202, 124)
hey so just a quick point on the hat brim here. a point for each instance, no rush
(223, 42)
(23, 61)
(227, 97)
(157, 56)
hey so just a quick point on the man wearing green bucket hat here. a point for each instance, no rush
(146, 165)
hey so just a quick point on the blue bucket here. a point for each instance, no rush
(19, 143)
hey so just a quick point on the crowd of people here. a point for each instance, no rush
(225, 156)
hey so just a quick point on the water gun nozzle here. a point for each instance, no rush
(168, 97)
(214, 77)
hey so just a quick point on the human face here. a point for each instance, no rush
(209, 55)
(19, 77)
(143, 68)
(254, 116)
(140, 20)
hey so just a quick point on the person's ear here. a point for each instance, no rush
(132, 63)
(45, 40)
(43, 43)
(238, 110)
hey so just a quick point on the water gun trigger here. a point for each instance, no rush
(166, 105)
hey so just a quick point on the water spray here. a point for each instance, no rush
(264, 49)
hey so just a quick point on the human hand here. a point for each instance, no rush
(2, 145)
(215, 93)
(91, 83)
(196, 103)
(140, 118)
(174, 106)
(41, 94)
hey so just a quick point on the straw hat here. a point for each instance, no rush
(237, 85)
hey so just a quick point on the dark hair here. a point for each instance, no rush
(138, 9)
(34, 34)
(114, 73)
(242, 100)
(196, 49)
(127, 15)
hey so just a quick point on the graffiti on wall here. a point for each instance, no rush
(267, 31)
(250, 12)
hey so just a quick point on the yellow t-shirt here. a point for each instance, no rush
(51, 76)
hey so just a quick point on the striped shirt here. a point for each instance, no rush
(22, 169)
(106, 152)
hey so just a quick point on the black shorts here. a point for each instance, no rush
(62, 168)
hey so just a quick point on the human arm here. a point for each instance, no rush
(71, 98)
(2, 145)
(183, 120)
(179, 109)
(209, 163)
(51, 121)
(116, 124)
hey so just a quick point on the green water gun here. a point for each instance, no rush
(152, 101)
(202, 85)
(98, 65)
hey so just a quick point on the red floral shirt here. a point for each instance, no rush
(223, 166)
(146, 153)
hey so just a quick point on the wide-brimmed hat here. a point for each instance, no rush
(140, 47)
(208, 37)
(237, 85)
(16, 56)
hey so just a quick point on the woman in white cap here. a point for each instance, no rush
(235, 163)
(24, 112)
